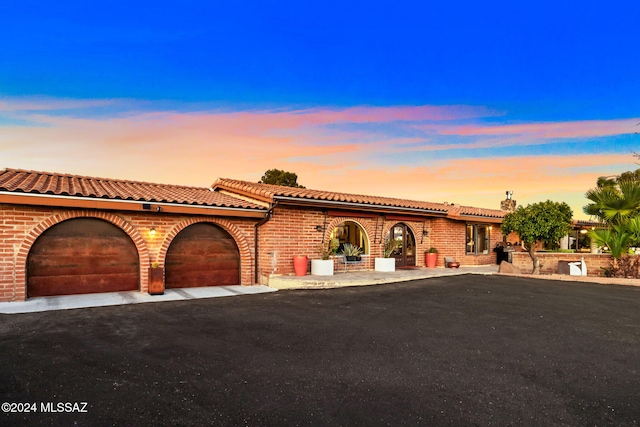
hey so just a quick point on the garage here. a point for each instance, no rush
(201, 255)
(82, 256)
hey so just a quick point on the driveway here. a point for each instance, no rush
(465, 350)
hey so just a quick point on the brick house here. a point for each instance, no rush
(65, 234)
(300, 221)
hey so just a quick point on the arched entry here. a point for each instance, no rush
(82, 256)
(200, 255)
(405, 253)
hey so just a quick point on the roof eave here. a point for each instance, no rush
(298, 201)
(37, 199)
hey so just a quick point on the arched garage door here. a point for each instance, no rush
(202, 255)
(82, 256)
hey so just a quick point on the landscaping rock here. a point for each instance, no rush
(508, 268)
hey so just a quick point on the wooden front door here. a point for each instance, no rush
(202, 255)
(82, 256)
(405, 254)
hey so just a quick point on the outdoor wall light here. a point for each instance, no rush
(319, 228)
(152, 231)
(583, 231)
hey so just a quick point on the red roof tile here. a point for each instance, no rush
(268, 191)
(23, 181)
(481, 212)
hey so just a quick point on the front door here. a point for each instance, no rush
(405, 254)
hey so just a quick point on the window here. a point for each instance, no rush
(350, 232)
(478, 239)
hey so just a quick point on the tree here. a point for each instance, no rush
(616, 202)
(280, 177)
(540, 222)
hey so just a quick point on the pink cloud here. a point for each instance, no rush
(196, 148)
(575, 129)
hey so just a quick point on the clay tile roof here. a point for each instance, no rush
(274, 191)
(481, 212)
(23, 181)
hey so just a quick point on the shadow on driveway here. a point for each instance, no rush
(484, 350)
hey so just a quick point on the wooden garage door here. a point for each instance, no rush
(81, 256)
(202, 255)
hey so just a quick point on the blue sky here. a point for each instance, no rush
(451, 101)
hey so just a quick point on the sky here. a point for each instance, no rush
(453, 102)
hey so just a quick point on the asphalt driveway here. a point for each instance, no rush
(467, 350)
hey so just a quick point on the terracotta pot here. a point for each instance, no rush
(300, 265)
(431, 260)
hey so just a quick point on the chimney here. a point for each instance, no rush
(508, 204)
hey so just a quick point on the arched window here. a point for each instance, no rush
(350, 232)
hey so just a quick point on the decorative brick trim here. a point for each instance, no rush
(246, 258)
(29, 240)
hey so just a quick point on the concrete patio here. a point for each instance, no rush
(368, 277)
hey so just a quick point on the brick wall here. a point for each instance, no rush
(292, 231)
(549, 260)
(449, 237)
(21, 225)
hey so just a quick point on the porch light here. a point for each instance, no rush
(319, 228)
(583, 231)
(152, 231)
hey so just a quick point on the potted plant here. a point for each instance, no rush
(431, 257)
(324, 265)
(387, 263)
(351, 252)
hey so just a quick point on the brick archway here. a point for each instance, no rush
(386, 232)
(29, 240)
(246, 259)
(365, 227)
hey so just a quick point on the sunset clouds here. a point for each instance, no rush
(392, 151)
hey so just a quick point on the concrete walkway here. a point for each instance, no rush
(338, 280)
(351, 278)
(65, 302)
(362, 278)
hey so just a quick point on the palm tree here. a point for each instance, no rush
(615, 205)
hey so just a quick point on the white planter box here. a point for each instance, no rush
(385, 264)
(322, 267)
